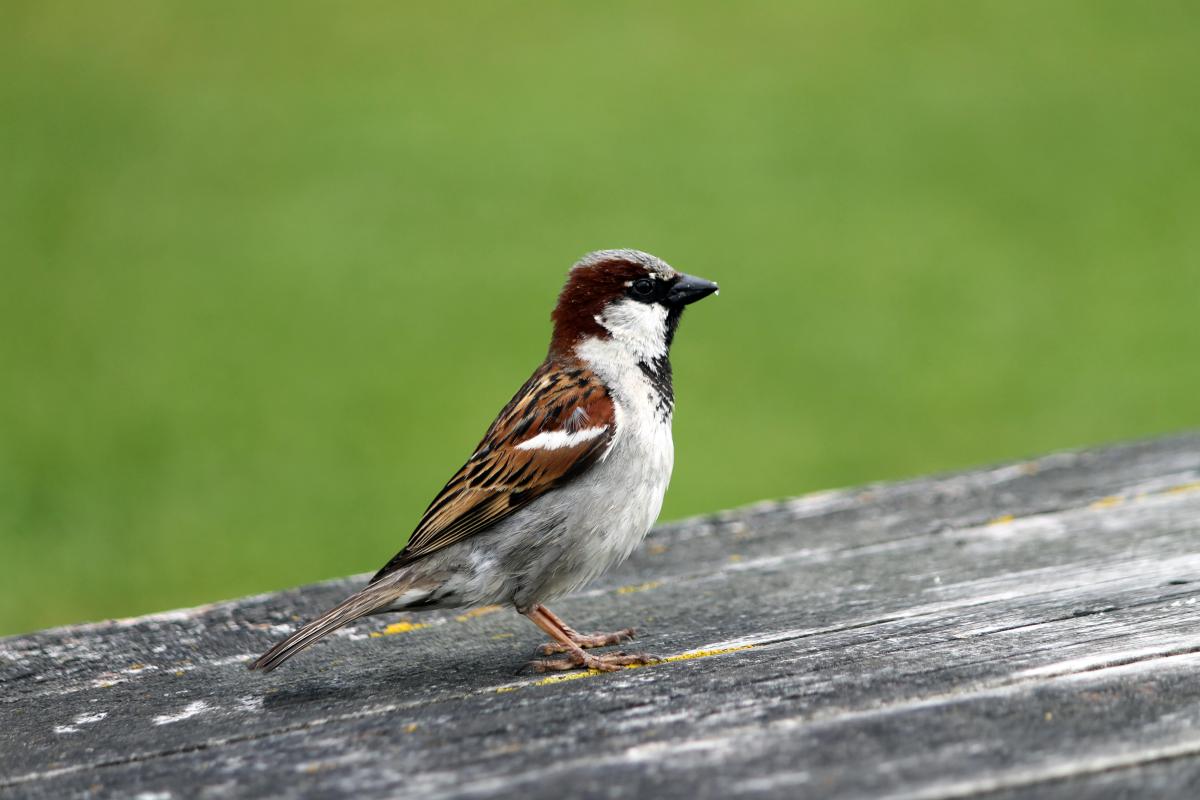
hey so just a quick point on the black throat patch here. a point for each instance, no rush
(658, 372)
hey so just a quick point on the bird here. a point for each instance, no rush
(567, 480)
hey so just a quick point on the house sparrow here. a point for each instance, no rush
(567, 480)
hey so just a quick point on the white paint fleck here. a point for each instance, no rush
(240, 658)
(138, 668)
(82, 719)
(192, 709)
(250, 703)
(107, 679)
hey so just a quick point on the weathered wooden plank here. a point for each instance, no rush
(1023, 629)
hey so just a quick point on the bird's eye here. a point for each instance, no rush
(643, 287)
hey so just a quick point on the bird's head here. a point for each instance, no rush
(626, 297)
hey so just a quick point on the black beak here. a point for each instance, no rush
(689, 289)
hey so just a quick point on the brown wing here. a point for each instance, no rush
(572, 412)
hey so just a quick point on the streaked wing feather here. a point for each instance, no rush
(500, 478)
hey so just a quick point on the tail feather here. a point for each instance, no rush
(376, 597)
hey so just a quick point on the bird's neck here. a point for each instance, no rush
(638, 378)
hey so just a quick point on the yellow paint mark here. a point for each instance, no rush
(718, 651)
(503, 689)
(398, 627)
(410, 727)
(502, 636)
(478, 612)
(641, 587)
(1049, 716)
(694, 654)
(1002, 520)
(179, 673)
(1194, 486)
(136, 667)
(1108, 502)
(567, 676)
(735, 558)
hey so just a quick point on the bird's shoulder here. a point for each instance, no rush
(557, 425)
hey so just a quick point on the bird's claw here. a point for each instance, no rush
(588, 641)
(610, 662)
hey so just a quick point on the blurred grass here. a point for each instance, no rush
(269, 269)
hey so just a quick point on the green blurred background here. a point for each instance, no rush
(269, 269)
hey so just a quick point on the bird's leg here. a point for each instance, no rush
(584, 640)
(575, 655)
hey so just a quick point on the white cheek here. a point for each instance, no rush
(640, 327)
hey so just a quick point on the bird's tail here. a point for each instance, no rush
(374, 598)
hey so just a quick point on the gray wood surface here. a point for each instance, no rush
(1021, 631)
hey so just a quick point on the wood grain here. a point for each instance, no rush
(1027, 630)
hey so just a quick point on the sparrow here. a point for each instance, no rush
(567, 480)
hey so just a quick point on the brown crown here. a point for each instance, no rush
(594, 282)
